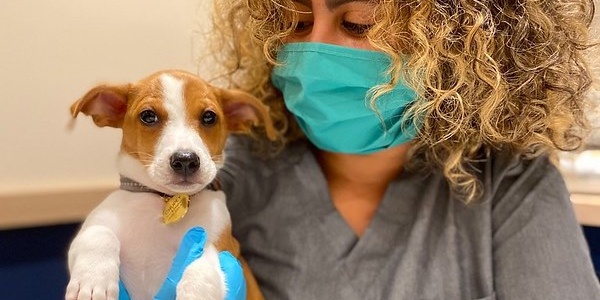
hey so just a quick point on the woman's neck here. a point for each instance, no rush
(357, 182)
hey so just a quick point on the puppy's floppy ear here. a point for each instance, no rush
(244, 111)
(106, 104)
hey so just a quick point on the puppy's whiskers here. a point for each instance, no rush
(145, 158)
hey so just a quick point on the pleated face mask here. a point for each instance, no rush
(327, 88)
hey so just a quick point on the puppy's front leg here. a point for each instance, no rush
(94, 265)
(203, 278)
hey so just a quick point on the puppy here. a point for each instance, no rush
(174, 130)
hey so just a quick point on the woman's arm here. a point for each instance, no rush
(539, 248)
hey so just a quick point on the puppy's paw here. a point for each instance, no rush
(203, 279)
(94, 282)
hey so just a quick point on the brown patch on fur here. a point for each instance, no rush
(227, 242)
(140, 140)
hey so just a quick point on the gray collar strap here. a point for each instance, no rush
(128, 184)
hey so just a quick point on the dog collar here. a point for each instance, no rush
(176, 206)
(131, 185)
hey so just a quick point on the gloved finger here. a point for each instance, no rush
(234, 276)
(123, 294)
(190, 249)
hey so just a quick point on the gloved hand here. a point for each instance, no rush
(191, 248)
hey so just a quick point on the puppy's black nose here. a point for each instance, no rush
(185, 162)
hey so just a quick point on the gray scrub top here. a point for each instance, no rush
(520, 241)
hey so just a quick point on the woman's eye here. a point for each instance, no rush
(208, 118)
(149, 117)
(302, 26)
(355, 28)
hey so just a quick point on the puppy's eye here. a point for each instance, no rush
(148, 117)
(208, 118)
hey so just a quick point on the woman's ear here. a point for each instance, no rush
(243, 111)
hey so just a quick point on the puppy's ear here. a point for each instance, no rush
(244, 111)
(106, 104)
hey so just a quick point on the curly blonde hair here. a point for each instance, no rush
(504, 75)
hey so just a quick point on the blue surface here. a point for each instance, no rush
(592, 234)
(33, 261)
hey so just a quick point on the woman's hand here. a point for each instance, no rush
(191, 248)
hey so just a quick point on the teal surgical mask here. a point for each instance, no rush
(326, 87)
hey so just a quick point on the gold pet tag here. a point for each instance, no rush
(175, 208)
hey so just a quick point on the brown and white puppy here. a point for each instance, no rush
(174, 130)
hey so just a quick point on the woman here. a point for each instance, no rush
(415, 152)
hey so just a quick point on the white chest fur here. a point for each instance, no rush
(147, 246)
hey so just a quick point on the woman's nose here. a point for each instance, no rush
(324, 33)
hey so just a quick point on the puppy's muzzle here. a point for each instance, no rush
(185, 162)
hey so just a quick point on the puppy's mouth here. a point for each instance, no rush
(189, 183)
(184, 182)
(186, 185)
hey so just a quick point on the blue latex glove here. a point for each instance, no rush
(191, 248)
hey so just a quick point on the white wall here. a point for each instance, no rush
(51, 53)
(594, 60)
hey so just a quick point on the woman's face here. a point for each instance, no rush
(339, 22)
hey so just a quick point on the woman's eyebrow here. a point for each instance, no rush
(331, 4)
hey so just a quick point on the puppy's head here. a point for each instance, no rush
(174, 127)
